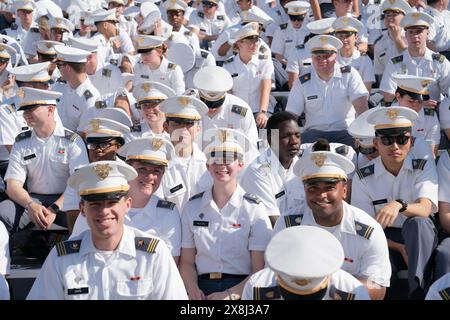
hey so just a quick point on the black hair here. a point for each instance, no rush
(277, 118)
(321, 144)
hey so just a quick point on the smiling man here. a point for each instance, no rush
(110, 261)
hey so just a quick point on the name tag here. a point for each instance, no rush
(288, 41)
(381, 201)
(30, 156)
(280, 194)
(175, 189)
(144, 76)
(78, 291)
(201, 223)
(311, 97)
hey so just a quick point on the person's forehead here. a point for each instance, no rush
(323, 183)
(288, 127)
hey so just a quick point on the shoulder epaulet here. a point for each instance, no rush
(87, 94)
(242, 111)
(262, 49)
(429, 112)
(252, 198)
(342, 150)
(188, 33)
(397, 59)
(221, 18)
(346, 69)
(263, 56)
(146, 244)
(34, 29)
(305, 77)
(70, 135)
(136, 128)
(293, 220)
(266, 293)
(10, 108)
(445, 294)
(204, 54)
(128, 18)
(100, 104)
(23, 135)
(419, 164)
(300, 153)
(377, 1)
(106, 72)
(4, 40)
(439, 57)
(200, 14)
(300, 46)
(171, 66)
(165, 204)
(68, 247)
(61, 80)
(366, 171)
(14, 26)
(363, 230)
(283, 26)
(337, 294)
(377, 39)
(196, 196)
(114, 61)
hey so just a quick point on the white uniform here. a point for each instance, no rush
(20, 34)
(191, 37)
(140, 268)
(168, 73)
(247, 77)
(11, 122)
(298, 58)
(207, 26)
(431, 65)
(203, 59)
(373, 186)
(234, 113)
(361, 63)
(46, 164)
(129, 25)
(263, 285)
(427, 126)
(443, 170)
(438, 31)
(277, 188)
(224, 238)
(29, 42)
(286, 38)
(143, 130)
(107, 79)
(4, 262)
(440, 290)
(365, 245)
(75, 102)
(384, 50)
(327, 105)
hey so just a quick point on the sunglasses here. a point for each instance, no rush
(208, 4)
(297, 17)
(344, 34)
(367, 150)
(389, 140)
(102, 146)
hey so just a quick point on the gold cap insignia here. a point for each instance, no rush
(21, 93)
(102, 170)
(244, 15)
(425, 83)
(95, 124)
(183, 101)
(297, 9)
(319, 159)
(323, 40)
(270, 294)
(223, 134)
(392, 114)
(140, 39)
(59, 21)
(156, 144)
(302, 282)
(415, 15)
(146, 87)
(48, 45)
(345, 21)
(392, 2)
(2, 48)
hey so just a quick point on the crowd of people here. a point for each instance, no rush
(226, 149)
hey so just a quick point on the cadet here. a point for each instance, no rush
(110, 261)
(60, 29)
(44, 157)
(225, 230)
(46, 53)
(105, 77)
(225, 109)
(4, 262)
(24, 24)
(348, 30)
(417, 60)
(78, 93)
(329, 94)
(400, 192)
(268, 175)
(304, 263)
(291, 34)
(324, 175)
(183, 116)
(413, 92)
(439, 36)
(440, 290)
(153, 65)
(149, 95)
(252, 72)
(126, 23)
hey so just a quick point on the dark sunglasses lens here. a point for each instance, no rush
(389, 140)
(297, 18)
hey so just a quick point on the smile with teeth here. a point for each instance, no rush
(323, 202)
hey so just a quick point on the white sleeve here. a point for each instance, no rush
(16, 169)
(296, 100)
(261, 231)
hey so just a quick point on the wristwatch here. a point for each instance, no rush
(263, 111)
(55, 208)
(403, 203)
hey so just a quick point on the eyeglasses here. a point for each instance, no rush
(344, 34)
(209, 4)
(367, 150)
(102, 146)
(389, 140)
(300, 17)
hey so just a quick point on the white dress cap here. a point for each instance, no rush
(70, 54)
(396, 5)
(363, 130)
(103, 15)
(416, 19)
(154, 150)
(225, 144)
(413, 84)
(144, 42)
(347, 24)
(303, 257)
(28, 5)
(213, 82)
(47, 47)
(323, 44)
(183, 108)
(102, 128)
(37, 72)
(322, 26)
(249, 30)
(175, 5)
(6, 52)
(31, 97)
(84, 44)
(296, 8)
(393, 117)
(323, 165)
(61, 23)
(147, 91)
(256, 16)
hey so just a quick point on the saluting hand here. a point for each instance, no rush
(387, 215)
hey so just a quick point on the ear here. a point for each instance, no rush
(166, 127)
(81, 207)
